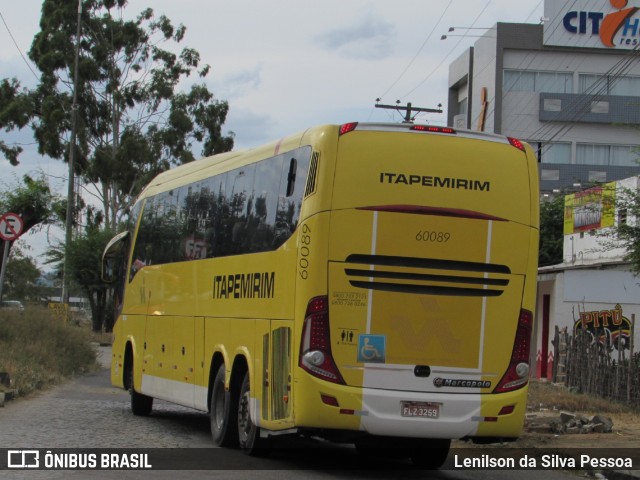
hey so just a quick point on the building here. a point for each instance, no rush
(593, 288)
(569, 86)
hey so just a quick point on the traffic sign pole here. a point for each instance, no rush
(3, 269)
(10, 229)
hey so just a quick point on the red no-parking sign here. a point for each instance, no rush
(10, 226)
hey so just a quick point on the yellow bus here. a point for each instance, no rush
(366, 283)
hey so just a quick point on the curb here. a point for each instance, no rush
(6, 396)
(621, 474)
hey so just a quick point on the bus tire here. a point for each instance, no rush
(248, 432)
(430, 454)
(224, 428)
(141, 404)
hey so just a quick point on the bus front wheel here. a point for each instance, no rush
(224, 429)
(248, 432)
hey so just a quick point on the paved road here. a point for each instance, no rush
(88, 413)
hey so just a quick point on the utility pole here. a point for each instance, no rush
(409, 109)
(66, 276)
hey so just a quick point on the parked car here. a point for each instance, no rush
(12, 305)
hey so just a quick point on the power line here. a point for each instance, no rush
(534, 10)
(17, 47)
(419, 50)
(408, 109)
(595, 92)
(535, 55)
(447, 56)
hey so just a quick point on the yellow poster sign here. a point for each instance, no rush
(59, 311)
(591, 209)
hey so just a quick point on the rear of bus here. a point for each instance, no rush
(431, 257)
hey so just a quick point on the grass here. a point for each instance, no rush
(38, 350)
(550, 396)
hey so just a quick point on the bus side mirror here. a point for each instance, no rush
(108, 273)
(291, 177)
(112, 257)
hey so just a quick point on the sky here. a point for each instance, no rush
(287, 65)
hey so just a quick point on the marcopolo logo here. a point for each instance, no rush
(459, 383)
(606, 24)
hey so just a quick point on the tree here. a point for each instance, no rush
(132, 122)
(85, 254)
(551, 231)
(34, 202)
(21, 277)
(626, 231)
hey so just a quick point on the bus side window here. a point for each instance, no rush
(291, 177)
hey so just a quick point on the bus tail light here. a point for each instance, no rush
(433, 129)
(517, 374)
(348, 127)
(315, 349)
(516, 143)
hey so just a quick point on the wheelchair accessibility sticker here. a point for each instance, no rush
(372, 348)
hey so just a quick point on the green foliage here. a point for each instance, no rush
(626, 231)
(21, 277)
(85, 256)
(15, 112)
(551, 231)
(33, 201)
(37, 350)
(132, 121)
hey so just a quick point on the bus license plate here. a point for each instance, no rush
(420, 409)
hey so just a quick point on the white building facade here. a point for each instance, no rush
(593, 288)
(570, 87)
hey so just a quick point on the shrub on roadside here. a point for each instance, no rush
(38, 350)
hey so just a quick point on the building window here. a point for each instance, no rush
(549, 175)
(555, 153)
(597, 176)
(612, 155)
(595, 84)
(462, 107)
(622, 216)
(532, 81)
(600, 107)
(552, 105)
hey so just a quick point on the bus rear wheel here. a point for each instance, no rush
(430, 453)
(224, 429)
(248, 432)
(141, 404)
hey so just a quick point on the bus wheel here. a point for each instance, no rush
(248, 432)
(224, 429)
(141, 404)
(430, 453)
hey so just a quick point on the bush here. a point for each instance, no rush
(38, 350)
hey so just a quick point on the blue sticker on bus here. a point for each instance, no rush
(372, 348)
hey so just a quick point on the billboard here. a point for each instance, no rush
(591, 209)
(613, 24)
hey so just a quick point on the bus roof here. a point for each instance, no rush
(180, 174)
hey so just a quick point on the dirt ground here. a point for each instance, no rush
(547, 401)
(625, 434)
